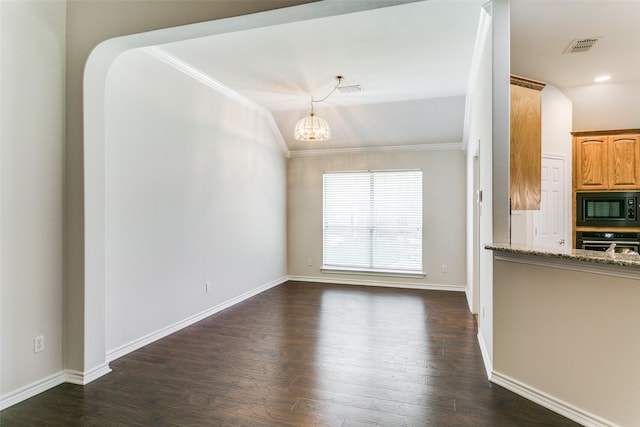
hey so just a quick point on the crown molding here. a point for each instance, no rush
(390, 148)
(204, 78)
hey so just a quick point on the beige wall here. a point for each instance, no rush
(444, 212)
(571, 335)
(32, 38)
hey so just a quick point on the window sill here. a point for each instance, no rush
(366, 272)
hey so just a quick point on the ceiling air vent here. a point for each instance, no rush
(350, 89)
(581, 45)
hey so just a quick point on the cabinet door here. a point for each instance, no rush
(525, 148)
(591, 163)
(623, 161)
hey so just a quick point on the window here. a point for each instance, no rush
(373, 221)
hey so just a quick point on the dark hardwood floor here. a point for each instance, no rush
(302, 354)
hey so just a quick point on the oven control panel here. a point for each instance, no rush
(626, 242)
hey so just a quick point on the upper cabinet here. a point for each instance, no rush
(607, 160)
(624, 154)
(591, 167)
(526, 144)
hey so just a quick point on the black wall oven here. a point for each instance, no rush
(626, 242)
(607, 209)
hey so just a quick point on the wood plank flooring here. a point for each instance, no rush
(302, 354)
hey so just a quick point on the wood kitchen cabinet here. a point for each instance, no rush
(606, 161)
(525, 144)
(591, 166)
(624, 162)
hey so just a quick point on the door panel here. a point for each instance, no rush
(549, 221)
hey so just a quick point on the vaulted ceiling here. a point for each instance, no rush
(412, 61)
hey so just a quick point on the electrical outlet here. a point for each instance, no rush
(444, 268)
(309, 262)
(207, 287)
(38, 344)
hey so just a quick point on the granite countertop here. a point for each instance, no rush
(568, 253)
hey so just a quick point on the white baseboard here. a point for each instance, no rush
(380, 283)
(469, 296)
(541, 398)
(486, 357)
(84, 378)
(154, 336)
(31, 390)
(40, 386)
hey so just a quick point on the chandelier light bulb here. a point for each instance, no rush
(312, 128)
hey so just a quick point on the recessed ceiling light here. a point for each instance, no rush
(600, 79)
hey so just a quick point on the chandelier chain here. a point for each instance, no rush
(339, 78)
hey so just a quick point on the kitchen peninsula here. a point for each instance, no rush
(567, 331)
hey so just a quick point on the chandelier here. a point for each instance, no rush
(312, 127)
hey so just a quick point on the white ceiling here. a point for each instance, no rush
(412, 61)
(541, 31)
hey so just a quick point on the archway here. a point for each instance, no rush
(95, 79)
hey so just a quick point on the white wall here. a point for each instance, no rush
(195, 193)
(443, 223)
(605, 106)
(481, 134)
(557, 111)
(479, 214)
(32, 38)
(501, 71)
(477, 132)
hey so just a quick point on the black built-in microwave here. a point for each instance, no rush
(607, 209)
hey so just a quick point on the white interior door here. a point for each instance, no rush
(549, 221)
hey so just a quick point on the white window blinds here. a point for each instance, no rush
(373, 221)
